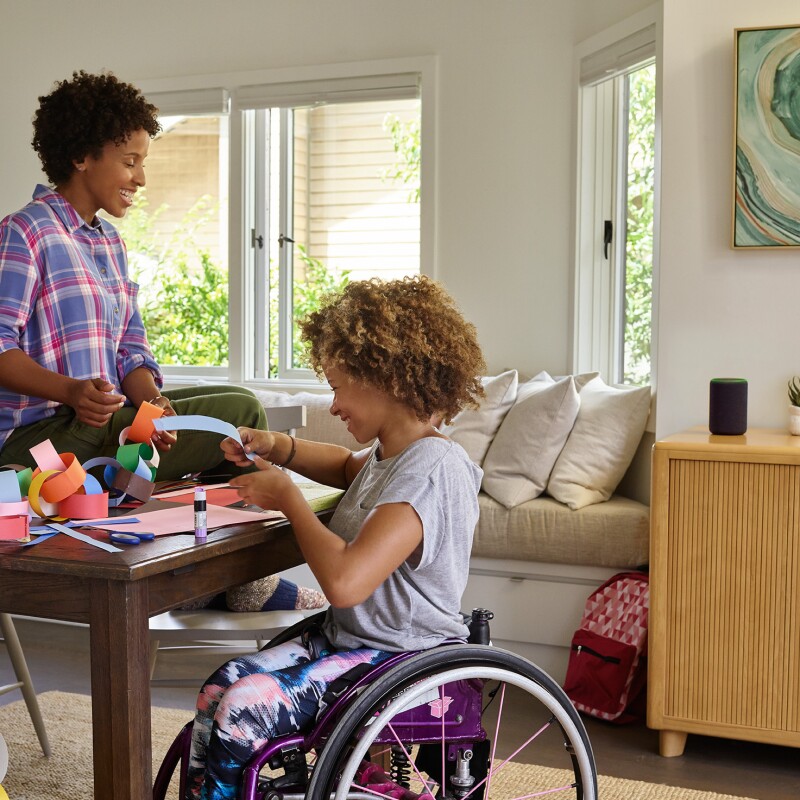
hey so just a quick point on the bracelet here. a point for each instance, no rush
(291, 454)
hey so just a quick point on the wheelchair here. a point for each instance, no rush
(441, 724)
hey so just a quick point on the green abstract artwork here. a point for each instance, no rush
(767, 134)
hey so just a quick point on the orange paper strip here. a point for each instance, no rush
(142, 426)
(65, 483)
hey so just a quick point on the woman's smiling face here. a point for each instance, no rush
(111, 180)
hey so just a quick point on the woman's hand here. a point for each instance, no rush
(94, 401)
(163, 440)
(269, 488)
(253, 441)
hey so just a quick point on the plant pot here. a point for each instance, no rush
(794, 420)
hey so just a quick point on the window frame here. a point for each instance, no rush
(246, 277)
(602, 64)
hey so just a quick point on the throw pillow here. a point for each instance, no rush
(474, 429)
(530, 438)
(601, 446)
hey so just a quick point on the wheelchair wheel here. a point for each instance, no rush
(459, 721)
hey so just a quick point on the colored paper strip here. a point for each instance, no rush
(199, 422)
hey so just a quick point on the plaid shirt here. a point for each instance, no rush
(66, 301)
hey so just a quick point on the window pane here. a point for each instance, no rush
(354, 202)
(639, 222)
(176, 234)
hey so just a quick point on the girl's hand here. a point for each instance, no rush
(268, 488)
(253, 441)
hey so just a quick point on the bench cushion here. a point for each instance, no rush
(615, 533)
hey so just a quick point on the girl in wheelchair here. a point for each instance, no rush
(394, 560)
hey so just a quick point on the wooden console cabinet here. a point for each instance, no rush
(724, 638)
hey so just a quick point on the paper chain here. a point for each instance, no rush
(61, 488)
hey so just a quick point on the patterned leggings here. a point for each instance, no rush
(253, 699)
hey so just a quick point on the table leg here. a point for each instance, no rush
(119, 644)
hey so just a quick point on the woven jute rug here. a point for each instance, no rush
(67, 774)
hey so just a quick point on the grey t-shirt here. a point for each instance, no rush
(419, 605)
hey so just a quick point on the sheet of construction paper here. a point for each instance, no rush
(217, 496)
(181, 519)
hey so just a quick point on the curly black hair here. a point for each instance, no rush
(82, 115)
(405, 337)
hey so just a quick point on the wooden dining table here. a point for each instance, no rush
(115, 594)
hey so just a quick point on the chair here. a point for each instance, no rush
(9, 633)
(205, 631)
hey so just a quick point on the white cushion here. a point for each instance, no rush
(529, 441)
(474, 429)
(601, 446)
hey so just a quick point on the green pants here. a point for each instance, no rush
(195, 451)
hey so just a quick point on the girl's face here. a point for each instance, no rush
(356, 404)
(110, 181)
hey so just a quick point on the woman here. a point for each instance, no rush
(75, 363)
(395, 559)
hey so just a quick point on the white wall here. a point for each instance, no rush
(723, 313)
(504, 118)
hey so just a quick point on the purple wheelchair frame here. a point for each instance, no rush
(418, 725)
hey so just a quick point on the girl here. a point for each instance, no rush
(394, 560)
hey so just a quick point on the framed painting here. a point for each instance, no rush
(766, 208)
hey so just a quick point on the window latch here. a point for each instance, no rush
(282, 239)
(256, 240)
(608, 235)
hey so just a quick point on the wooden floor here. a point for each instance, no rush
(58, 658)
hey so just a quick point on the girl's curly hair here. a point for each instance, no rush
(405, 337)
(82, 115)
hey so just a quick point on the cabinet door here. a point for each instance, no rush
(725, 620)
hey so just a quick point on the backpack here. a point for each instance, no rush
(607, 666)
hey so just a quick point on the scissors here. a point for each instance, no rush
(130, 538)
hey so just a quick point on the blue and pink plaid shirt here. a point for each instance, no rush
(66, 301)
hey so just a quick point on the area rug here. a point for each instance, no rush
(67, 774)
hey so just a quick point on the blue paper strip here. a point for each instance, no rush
(84, 538)
(199, 422)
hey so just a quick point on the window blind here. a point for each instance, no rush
(333, 90)
(190, 102)
(621, 56)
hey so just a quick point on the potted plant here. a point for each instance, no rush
(794, 407)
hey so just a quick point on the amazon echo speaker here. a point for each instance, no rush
(727, 406)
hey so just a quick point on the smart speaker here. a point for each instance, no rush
(727, 406)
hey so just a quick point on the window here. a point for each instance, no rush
(177, 233)
(325, 181)
(616, 202)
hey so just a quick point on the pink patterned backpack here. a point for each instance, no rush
(607, 667)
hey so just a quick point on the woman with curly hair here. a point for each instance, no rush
(395, 558)
(75, 363)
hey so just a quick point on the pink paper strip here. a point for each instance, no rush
(46, 456)
(12, 528)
